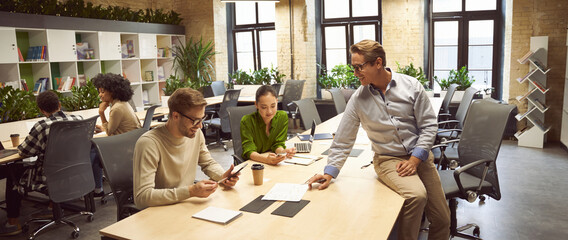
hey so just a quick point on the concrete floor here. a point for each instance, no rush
(534, 187)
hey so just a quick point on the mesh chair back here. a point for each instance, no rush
(464, 105)
(277, 87)
(231, 99)
(149, 116)
(448, 98)
(338, 100)
(292, 91)
(308, 112)
(67, 163)
(235, 116)
(218, 88)
(481, 139)
(116, 154)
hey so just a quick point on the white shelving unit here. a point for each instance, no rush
(61, 58)
(535, 132)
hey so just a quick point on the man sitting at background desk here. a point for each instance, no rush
(401, 124)
(166, 157)
(34, 145)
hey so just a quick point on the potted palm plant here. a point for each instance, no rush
(193, 62)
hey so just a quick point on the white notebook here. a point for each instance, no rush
(218, 215)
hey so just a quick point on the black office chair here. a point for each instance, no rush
(308, 112)
(338, 100)
(445, 108)
(149, 117)
(277, 87)
(293, 90)
(235, 116)
(220, 120)
(116, 154)
(478, 149)
(218, 88)
(68, 172)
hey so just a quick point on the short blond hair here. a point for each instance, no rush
(185, 98)
(371, 50)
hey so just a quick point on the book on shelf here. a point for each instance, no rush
(24, 85)
(539, 86)
(37, 87)
(521, 80)
(149, 76)
(145, 97)
(124, 50)
(90, 53)
(82, 50)
(44, 84)
(521, 98)
(539, 65)
(130, 48)
(20, 56)
(523, 115)
(161, 75)
(525, 57)
(82, 80)
(68, 83)
(161, 52)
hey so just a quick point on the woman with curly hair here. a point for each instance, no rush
(115, 91)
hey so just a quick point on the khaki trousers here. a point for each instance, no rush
(422, 192)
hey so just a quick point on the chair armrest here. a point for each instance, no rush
(237, 159)
(458, 171)
(448, 121)
(451, 131)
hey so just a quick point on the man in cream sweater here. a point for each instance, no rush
(166, 158)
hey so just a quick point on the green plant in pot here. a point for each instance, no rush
(276, 75)
(17, 105)
(193, 61)
(172, 84)
(417, 73)
(84, 97)
(460, 77)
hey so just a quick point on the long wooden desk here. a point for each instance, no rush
(355, 206)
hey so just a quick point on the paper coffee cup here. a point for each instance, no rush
(15, 139)
(257, 173)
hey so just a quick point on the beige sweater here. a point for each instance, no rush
(121, 119)
(165, 167)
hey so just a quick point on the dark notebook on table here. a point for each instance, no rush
(314, 135)
(6, 152)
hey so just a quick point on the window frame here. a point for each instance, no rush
(349, 23)
(255, 30)
(463, 18)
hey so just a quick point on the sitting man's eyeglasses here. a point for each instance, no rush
(195, 122)
(357, 67)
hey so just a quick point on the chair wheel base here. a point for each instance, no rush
(75, 235)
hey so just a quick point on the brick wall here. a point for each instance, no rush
(303, 41)
(403, 32)
(540, 18)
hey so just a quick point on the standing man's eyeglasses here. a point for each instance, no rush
(195, 122)
(357, 67)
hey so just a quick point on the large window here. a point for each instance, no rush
(467, 33)
(344, 23)
(254, 37)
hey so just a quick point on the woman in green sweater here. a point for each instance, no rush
(265, 131)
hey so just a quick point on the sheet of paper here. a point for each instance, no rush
(286, 192)
(218, 215)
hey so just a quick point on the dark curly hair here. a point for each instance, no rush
(48, 101)
(118, 86)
